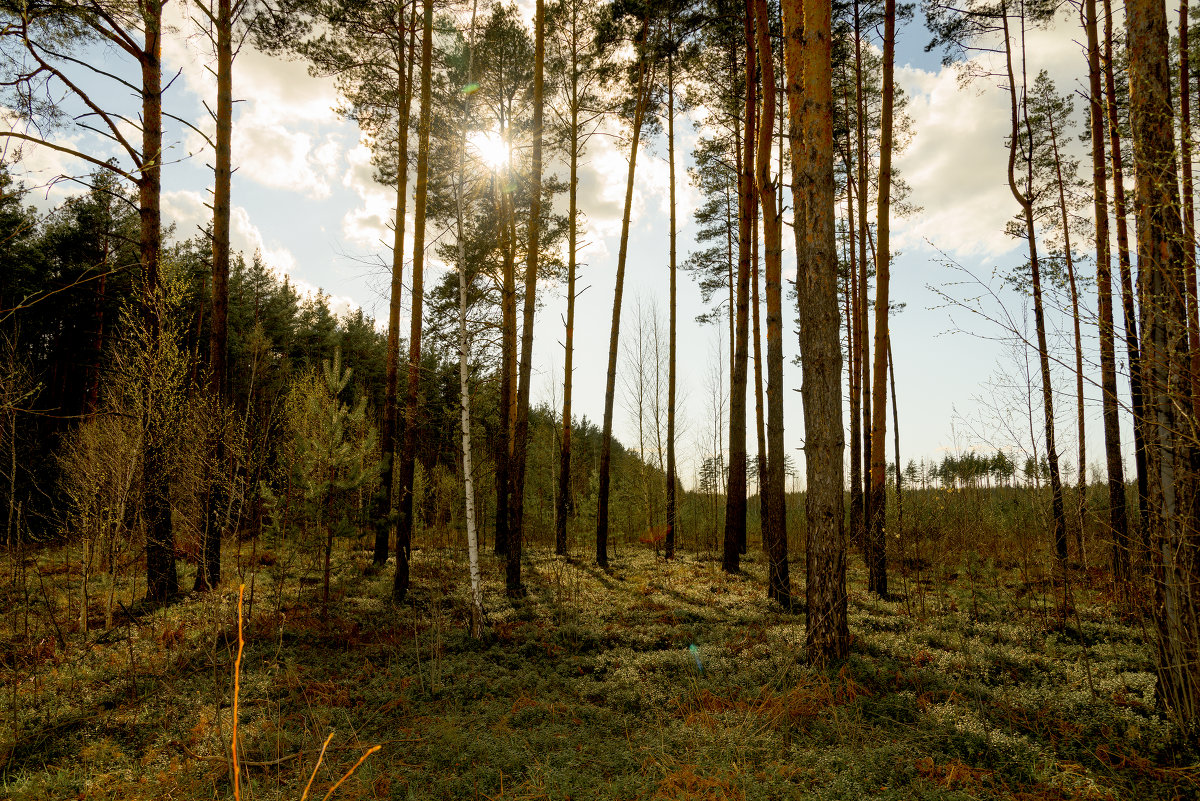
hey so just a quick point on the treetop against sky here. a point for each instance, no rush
(304, 195)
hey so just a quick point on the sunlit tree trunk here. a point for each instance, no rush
(408, 454)
(806, 25)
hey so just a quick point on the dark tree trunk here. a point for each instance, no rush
(1117, 515)
(671, 378)
(735, 497)
(1132, 343)
(610, 389)
(385, 511)
(404, 522)
(512, 583)
(208, 572)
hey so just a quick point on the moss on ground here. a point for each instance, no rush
(967, 687)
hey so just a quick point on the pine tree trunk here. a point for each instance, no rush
(1172, 456)
(563, 508)
(1132, 344)
(735, 496)
(810, 103)
(162, 580)
(876, 528)
(412, 400)
(384, 501)
(775, 528)
(1081, 500)
(1189, 214)
(671, 378)
(610, 389)
(760, 423)
(864, 289)
(208, 572)
(1117, 515)
(1019, 120)
(513, 586)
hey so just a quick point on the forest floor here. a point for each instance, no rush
(968, 686)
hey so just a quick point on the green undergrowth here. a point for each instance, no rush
(651, 680)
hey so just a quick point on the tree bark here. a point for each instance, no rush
(408, 454)
(1160, 264)
(810, 110)
(775, 528)
(464, 372)
(162, 580)
(385, 510)
(1019, 120)
(563, 508)
(735, 496)
(671, 377)
(1117, 515)
(208, 572)
(639, 113)
(1081, 500)
(876, 530)
(1132, 343)
(864, 289)
(513, 586)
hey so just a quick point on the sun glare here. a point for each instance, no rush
(488, 147)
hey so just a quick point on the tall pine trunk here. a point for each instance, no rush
(1117, 515)
(1160, 266)
(671, 376)
(735, 496)
(775, 528)
(385, 509)
(810, 109)
(1068, 256)
(513, 586)
(412, 400)
(876, 534)
(208, 573)
(1129, 312)
(162, 578)
(1019, 118)
(563, 502)
(639, 113)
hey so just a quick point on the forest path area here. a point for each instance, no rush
(651, 680)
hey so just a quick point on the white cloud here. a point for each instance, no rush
(957, 161)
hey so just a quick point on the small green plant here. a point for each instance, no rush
(332, 455)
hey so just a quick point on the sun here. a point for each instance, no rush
(489, 147)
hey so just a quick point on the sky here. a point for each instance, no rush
(304, 196)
